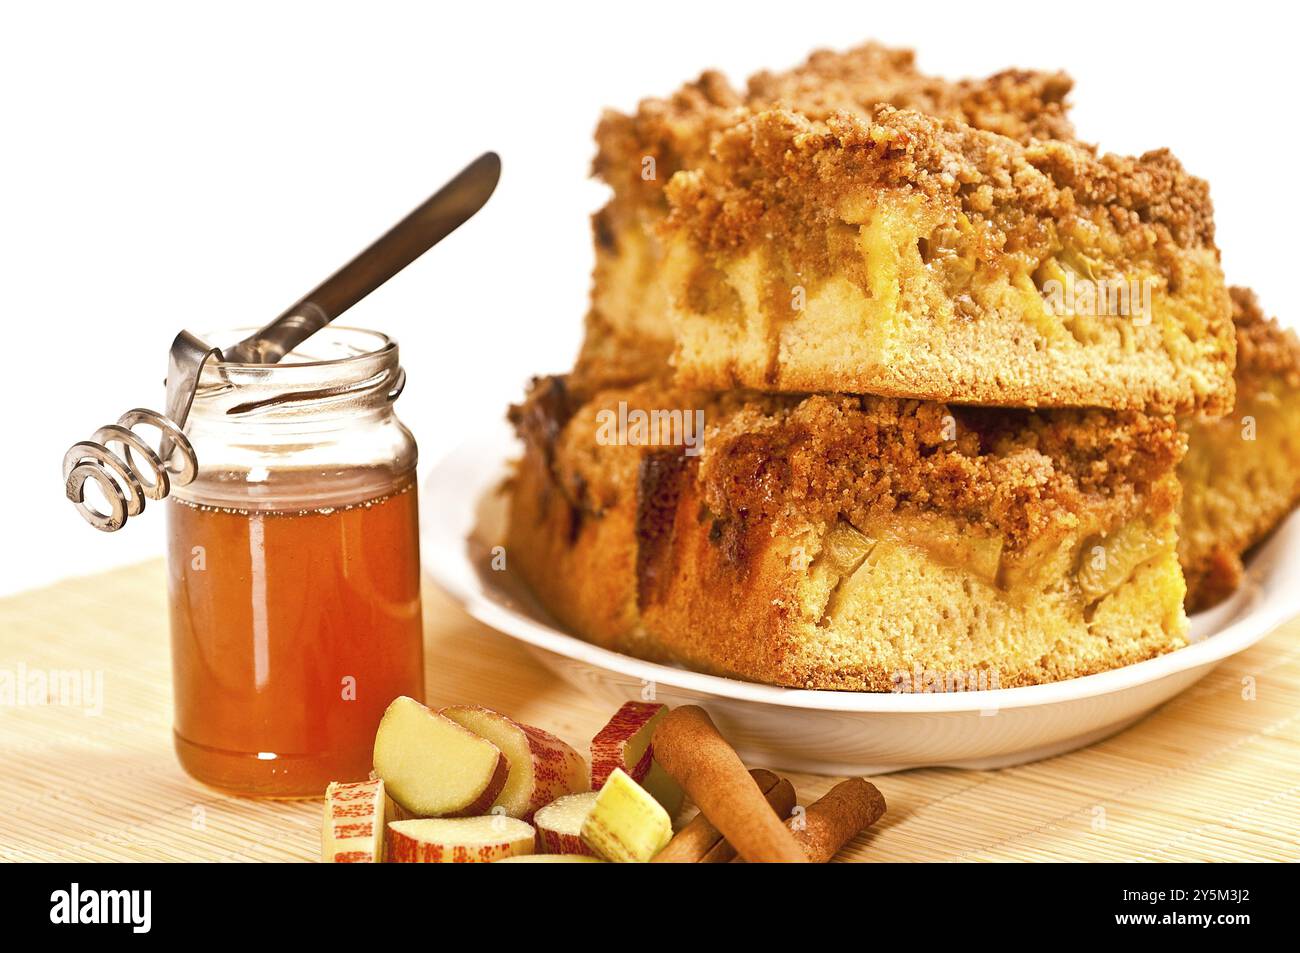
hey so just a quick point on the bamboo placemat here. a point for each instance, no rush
(1213, 775)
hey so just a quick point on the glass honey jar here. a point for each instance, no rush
(294, 568)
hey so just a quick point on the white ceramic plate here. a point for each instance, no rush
(837, 732)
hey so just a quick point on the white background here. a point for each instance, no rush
(166, 167)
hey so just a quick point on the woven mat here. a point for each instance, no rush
(1213, 775)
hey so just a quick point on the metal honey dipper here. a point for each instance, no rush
(140, 472)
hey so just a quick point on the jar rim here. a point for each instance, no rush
(383, 341)
(338, 369)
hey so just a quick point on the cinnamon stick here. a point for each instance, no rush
(699, 842)
(699, 836)
(688, 746)
(836, 817)
(781, 797)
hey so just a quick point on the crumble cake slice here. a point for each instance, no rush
(1241, 475)
(905, 255)
(628, 333)
(853, 543)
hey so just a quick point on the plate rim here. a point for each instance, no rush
(451, 493)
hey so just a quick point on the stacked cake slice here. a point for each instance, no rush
(628, 331)
(850, 542)
(904, 255)
(879, 386)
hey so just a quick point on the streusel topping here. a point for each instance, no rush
(785, 459)
(778, 176)
(1264, 347)
(677, 131)
(1020, 104)
(1017, 473)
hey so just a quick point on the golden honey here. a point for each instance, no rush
(291, 632)
(294, 570)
